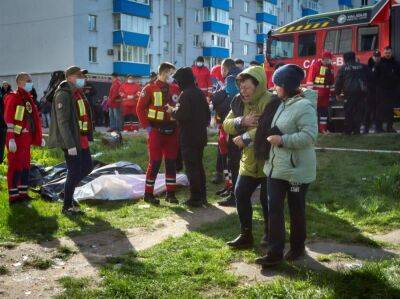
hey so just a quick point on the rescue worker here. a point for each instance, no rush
(242, 122)
(114, 104)
(387, 74)
(321, 79)
(202, 75)
(71, 130)
(162, 131)
(193, 116)
(129, 92)
(216, 78)
(352, 82)
(23, 130)
(369, 124)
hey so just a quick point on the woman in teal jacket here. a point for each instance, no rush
(292, 163)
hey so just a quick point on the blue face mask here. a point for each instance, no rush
(80, 83)
(28, 86)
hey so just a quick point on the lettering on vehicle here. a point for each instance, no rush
(336, 61)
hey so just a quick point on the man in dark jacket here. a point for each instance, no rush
(369, 121)
(71, 130)
(388, 80)
(193, 116)
(351, 82)
(221, 101)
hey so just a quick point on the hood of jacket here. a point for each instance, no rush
(308, 94)
(258, 73)
(184, 78)
(65, 86)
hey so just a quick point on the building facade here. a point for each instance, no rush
(134, 36)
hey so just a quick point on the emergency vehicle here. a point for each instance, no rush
(360, 30)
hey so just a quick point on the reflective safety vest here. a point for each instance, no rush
(320, 78)
(83, 115)
(19, 116)
(156, 111)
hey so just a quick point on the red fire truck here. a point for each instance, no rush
(360, 30)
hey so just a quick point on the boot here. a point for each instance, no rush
(217, 179)
(171, 197)
(229, 201)
(149, 198)
(269, 260)
(294, 254)
(243, 241)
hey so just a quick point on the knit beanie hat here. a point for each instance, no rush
(288, 77)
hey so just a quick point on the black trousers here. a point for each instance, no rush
(244, 189)
(386, 101)
(78, 167)
(234, 154)
(370, 109)
(354, 112)
(193, 161)
(296, 194)
(219, 167)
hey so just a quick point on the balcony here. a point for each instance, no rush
(135, 69)
(216, 27)
(132, 8)
(267, 18)
(215, 52)
(221, 4)
(261, 37)
(130, 38)
(260, 58)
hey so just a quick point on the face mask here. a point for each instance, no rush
(28, 86)
(80, 83)
(170, 79)
(199, 64)
(130, 81)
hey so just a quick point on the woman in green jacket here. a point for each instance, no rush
(242, 122)
(292, 163)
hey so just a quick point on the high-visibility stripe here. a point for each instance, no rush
(308, 26)
(10, 126)
(299, 27)
(82, 109)
(19, 113)
(291, 29)
(316, 25)
(85, 126)
(322, 70)
(158, 98)
(283, 29)
(160, 115)
(325, 24)
(17, 129)
(151, 114)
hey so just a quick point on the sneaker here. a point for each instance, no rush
(219, 192)
(171, 198)
(75, 203)
(150, 198)
(293, 255)
(363, 130)
(226, 193)
(72, 211)
(269, 260)
(229, 201)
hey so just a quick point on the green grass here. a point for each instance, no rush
(38, 263)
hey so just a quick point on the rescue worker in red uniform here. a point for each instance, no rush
(23, 130)
(162, 130)
(129, 92)
(202, 76)
(321, 78)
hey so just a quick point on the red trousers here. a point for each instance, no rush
(18, 167)
(323, 104)
(162, 146)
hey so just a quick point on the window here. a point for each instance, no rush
(215, 40)
(179, 48)
(245, 49)
(231, 24)
(198, 16)
(338, 41)
(367, 39)
(246, 6)
(140, 1)
(166, 47)
(364, 2)
(129, 53)
(196, 40)
(282, 47)
(131, 23)
(151, 60)
(180, 22)
(215, 14)
(307, 45)
(165, 20)
(151, 33)
(231, 3)
(247, 27)
(231, 48)
(92, 54)
(92, 23)
(117, 21)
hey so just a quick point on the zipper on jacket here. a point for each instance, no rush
(291, 161)
(273, 147)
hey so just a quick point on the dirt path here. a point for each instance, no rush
(92, 250)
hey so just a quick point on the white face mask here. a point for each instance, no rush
(199, 64)
(130, 81)
(170, 79)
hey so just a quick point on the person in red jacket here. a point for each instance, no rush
(129, 92)
(202, 76)
(23, 130)
(162, 130)
(114, 104)
(321, 78)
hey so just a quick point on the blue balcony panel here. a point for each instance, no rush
(348, 3)
(135, 69)
(308, 12)
(261, 38)
(221, 4)
(215, 52)
(266, 17)
(130, 38)
(216, 27)
(275, 2)
(132, 8)
(260, 58)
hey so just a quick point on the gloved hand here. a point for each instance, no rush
(148, 130)
(43, 143)
(12, 146)
(72, 151)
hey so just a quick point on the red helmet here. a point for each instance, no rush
(327, 54)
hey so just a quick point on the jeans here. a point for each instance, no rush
(296, 193)
(193, 160)
(244, 189)
(115, 118)
(78, 167)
